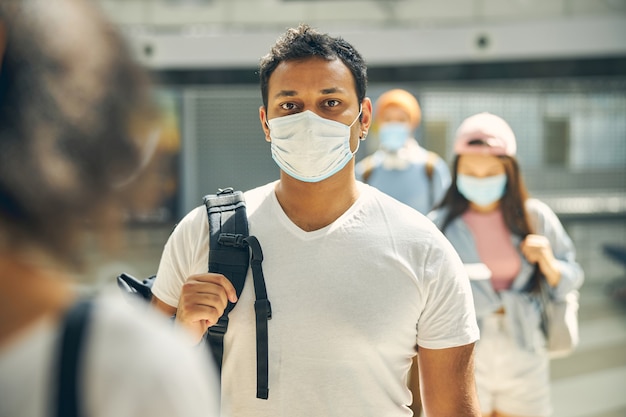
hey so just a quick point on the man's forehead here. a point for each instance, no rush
(326, 76)
(322, 91)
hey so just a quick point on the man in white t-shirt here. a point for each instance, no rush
(357, 281)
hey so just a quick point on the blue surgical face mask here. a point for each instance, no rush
(393, 135)
(481, 191)
(308, 147)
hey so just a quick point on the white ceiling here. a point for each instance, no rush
(235, 33)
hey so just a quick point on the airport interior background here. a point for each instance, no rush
(555, 69)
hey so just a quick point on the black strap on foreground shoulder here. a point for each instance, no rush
(70, 354)
(229, 255)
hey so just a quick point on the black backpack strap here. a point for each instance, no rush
(70, 354)
(228, 254)
(263, 312)
(131, 285)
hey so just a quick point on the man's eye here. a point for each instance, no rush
(288, 106)
(332, 103)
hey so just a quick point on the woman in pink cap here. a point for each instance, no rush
(508, 242)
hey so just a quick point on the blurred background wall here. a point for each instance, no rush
(555, 69)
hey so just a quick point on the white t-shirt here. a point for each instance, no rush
(349, 302)
(135, 365)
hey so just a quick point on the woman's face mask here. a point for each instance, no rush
(481, 191)
(393, 135)
(308, 147)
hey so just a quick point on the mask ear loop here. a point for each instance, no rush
(268, 137)
(357, 116)
(358, 143)
(363, 132)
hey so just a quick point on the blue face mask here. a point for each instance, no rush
(393, 135)
(481, 191)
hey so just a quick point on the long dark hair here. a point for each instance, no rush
(512, 203)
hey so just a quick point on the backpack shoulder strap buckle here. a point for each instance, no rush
(232, 240)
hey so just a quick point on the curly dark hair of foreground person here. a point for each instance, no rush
(74, 111)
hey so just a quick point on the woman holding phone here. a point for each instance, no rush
(507, 241)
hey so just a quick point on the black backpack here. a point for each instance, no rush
(232, 252)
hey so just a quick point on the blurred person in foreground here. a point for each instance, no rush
(502, 236)
(359, 283)
(74, 115)
(401, 167)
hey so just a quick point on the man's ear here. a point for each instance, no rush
(263, 118)
(366, 116)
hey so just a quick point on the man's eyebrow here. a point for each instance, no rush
(332, 90)
(286, 93)
(293, 93)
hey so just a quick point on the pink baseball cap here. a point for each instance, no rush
(496, 134)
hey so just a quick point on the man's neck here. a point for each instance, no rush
(312, 206)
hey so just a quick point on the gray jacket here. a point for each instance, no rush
(522, 308)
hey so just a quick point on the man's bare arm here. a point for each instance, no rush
(447, 382)
(161, 306)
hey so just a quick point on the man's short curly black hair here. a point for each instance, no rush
(306, 42)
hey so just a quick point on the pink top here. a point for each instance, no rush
(494, 246)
